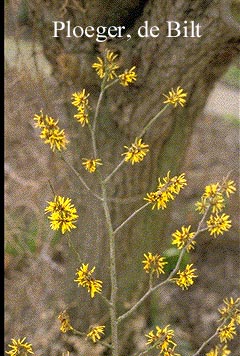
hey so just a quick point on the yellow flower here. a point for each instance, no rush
(60, 220)
(162, 338)
(216, 203)
(154, 264)
(219, 350)
(173, 185)
(85, 279)
(231, 310)
(129, 76)
(166, 190)
(55, 138)
(218, 224)
(186, 277)
(91, 164)
(20, 348)
(211, 190)
(176, 98)
(202, 205)
(63, 214)
(136, 152)
(157, 199)
(152, 338)
(40, 120)
(95, 333)
(80, 99)
(213, 196)
(59, 203)
(227, 332)
(183, 238)
(82, 116)
(228, 187)
(50, 132)
(170, 352)
(65, 322)
(107, 67)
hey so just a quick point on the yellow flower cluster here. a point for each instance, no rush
(213, 199)
(20, 348)
(186, 277)
(231, 310)
(106, 69)
(175, 97)
(136, 152)
(166, 190)
(219, 350)
(80, 100)
(63, 214)
(50, 132)
(91, 164)
(227, 332)
(86, 280)
(218, 224)
(230, 318)
(128, 77)
(184, 238)
(228, 187)
(154, 264)
(162, 338)
(95, 333)
(213, 196)
(65, 322)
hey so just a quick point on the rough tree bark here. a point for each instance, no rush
(162, 63)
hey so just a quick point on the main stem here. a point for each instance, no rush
(113, 274)
(93, 129)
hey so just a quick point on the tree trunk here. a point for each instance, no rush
(162, 63)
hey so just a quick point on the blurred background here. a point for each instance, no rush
(201, 140)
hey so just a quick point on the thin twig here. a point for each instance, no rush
(110, 84)
(144, 130)
(106, 300)
(81, 179)
(130, 217)
(93, 129)
(114, 171)
(113, 272)
(80, 333)
(147, 350)
(150, 291)
(208, 340)
(140, 301)
(112, 251)
(168, 279)
(205, 343)
(51, 187)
